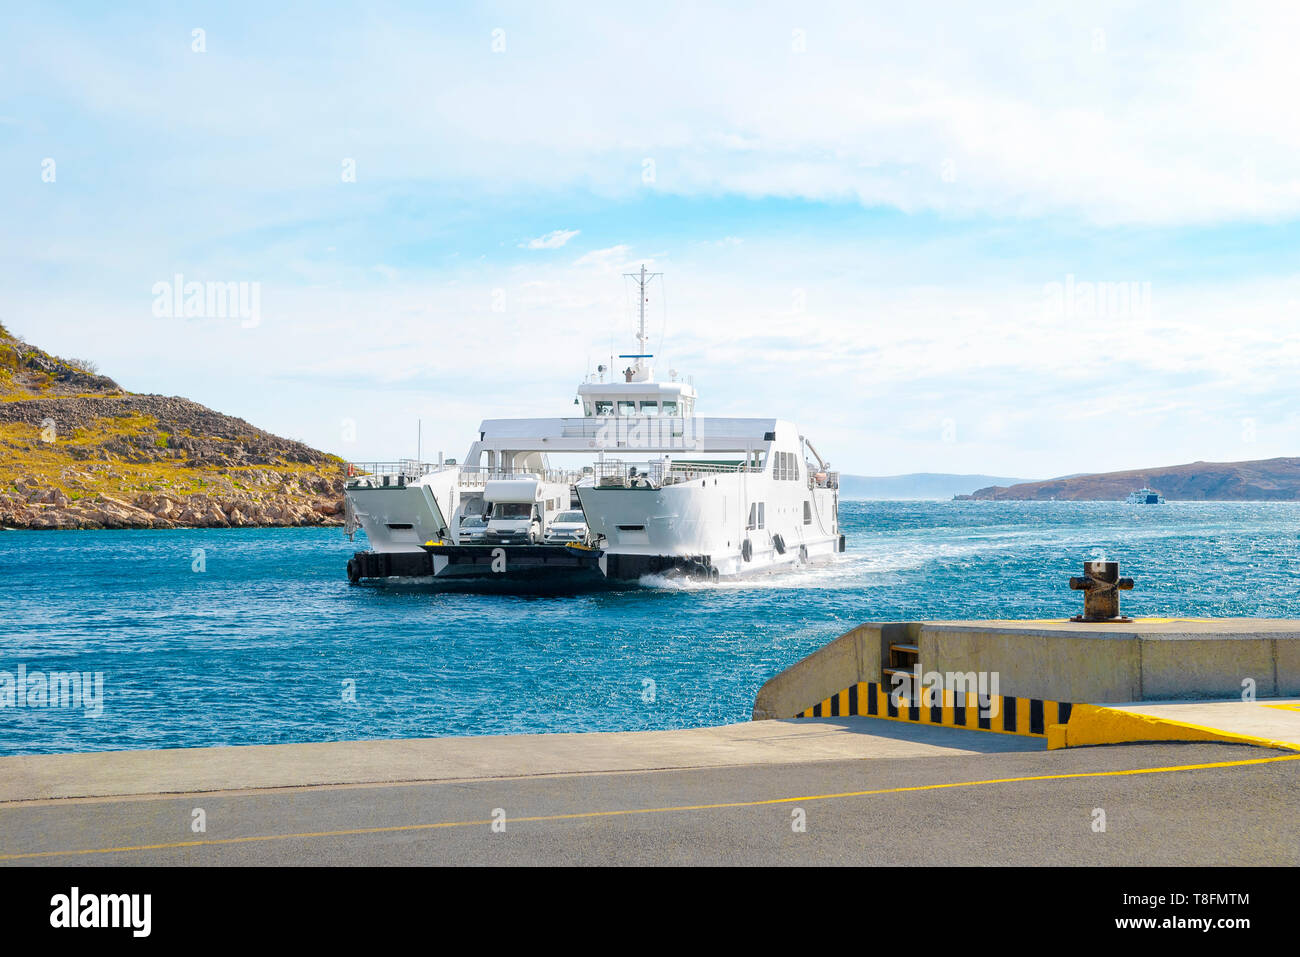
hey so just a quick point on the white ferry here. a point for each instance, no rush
(664, 491)
(1145, 496)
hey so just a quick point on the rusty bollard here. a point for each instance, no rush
(1101, 586)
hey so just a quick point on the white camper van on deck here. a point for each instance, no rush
(515, 510)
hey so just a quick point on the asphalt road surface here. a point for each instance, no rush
(1179, 804)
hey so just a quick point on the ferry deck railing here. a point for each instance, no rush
(406, 469)
(616, 429)
(478, 476)
(656, 473)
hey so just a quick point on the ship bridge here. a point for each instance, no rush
(634, 397)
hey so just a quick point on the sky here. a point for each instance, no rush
(1027, 239)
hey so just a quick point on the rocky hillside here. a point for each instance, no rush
(78, 451)
(1262, 481)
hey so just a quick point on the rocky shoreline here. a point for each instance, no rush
(284, 504)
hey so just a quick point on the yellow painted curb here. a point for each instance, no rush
(1064, 725)
(1008, 714)
(1093, 724)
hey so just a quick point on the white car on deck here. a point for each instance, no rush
(570, 526)
(473, 529)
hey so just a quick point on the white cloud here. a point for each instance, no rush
(552, 240)
(611, 259)
(1016, 112)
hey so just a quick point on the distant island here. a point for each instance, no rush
(916, 486)
(1264, 480)
(79, 451)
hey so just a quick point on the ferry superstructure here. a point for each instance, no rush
(1145, 496)
(666, 491)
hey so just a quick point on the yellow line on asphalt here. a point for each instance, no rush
(398, 828)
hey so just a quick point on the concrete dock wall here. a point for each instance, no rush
(1038, 663)
(852, 657)
(1145, 660)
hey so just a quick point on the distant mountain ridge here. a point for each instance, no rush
(1262, 480)
(916, 486)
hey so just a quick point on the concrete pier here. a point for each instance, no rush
(1151, 659)
(195, 770)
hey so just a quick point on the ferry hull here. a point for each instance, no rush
(699, 528)
(550, 564)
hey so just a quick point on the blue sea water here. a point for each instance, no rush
(260, 646)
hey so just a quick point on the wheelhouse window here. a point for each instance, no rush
(670, 407)
(604, 407)
(650, 408)
(626, 407)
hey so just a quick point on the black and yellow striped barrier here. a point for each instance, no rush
(1013, 715)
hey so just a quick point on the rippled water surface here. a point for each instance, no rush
(259, 647)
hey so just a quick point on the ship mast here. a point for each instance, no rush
(642, 280)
